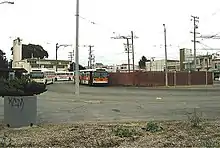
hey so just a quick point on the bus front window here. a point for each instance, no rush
(100, 74)
(36, 75)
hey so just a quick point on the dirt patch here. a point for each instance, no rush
(133, 134)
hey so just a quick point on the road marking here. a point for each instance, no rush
(93, 101)
(158, 98)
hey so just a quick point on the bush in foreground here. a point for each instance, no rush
(21, 87)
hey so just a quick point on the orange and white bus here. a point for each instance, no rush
(64, 76)
(94, 76)
(42, 75)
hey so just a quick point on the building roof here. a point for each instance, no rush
(50, 60)
(215, 59)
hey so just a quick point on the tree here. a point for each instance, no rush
(3, 60)
(72, 67)
(31, 50)
(142, 62)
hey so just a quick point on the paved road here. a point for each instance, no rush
(123, 103)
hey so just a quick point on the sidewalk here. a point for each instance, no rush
(187, 87)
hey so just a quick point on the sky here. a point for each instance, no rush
(47, 22)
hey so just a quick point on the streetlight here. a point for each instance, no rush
(57, 47)
(7, 2)
(77, 51)
(165, 48)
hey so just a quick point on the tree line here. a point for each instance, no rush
(142, 62)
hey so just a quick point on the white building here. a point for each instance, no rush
(28, 64)
(159, 65)
(125, 68)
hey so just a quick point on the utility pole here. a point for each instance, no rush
(165, 48)
(132, 46)
(151, 60)
(128, 47)
(195, 19)
(90, 56)
(71, 55)
(77, 51)
(56, 56)
(128, 54)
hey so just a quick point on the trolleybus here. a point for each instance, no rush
(42, 75)
(94, 76)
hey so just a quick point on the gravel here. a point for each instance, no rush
(132, 134)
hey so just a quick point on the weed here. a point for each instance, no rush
(153, 127)
(194, 118)
(124, 132)
(210, 143)
(5, 141)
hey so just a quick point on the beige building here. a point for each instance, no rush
(186, 59)
(28, 64)
(159, 65)
(204, 62)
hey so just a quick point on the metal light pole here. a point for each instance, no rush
(165, 47)
(77, 50)
(57, 47)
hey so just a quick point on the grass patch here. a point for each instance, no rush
(122, 131)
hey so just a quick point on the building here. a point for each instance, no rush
(216, 68)
(28, 64)
(186, 59)
(125, 68)
(204, 62)
(159, 65)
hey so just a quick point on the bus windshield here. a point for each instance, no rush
(100, 74)
(36, 75)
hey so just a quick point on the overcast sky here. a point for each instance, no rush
(47, 22)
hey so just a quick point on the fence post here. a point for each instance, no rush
(189, 78)
(174, 78)
(206, 77)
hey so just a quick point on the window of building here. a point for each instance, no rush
(48, 66)
(206, 61)
(200, 61)
(216, 65)
(60, 66)
(32, 62)
(34, 65)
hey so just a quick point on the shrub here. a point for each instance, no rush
(124, 132)
(21, 87)
(153, 127)
(194, 118)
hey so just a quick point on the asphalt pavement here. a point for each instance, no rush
(59, 103)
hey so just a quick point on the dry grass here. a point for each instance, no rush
(171, 134)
